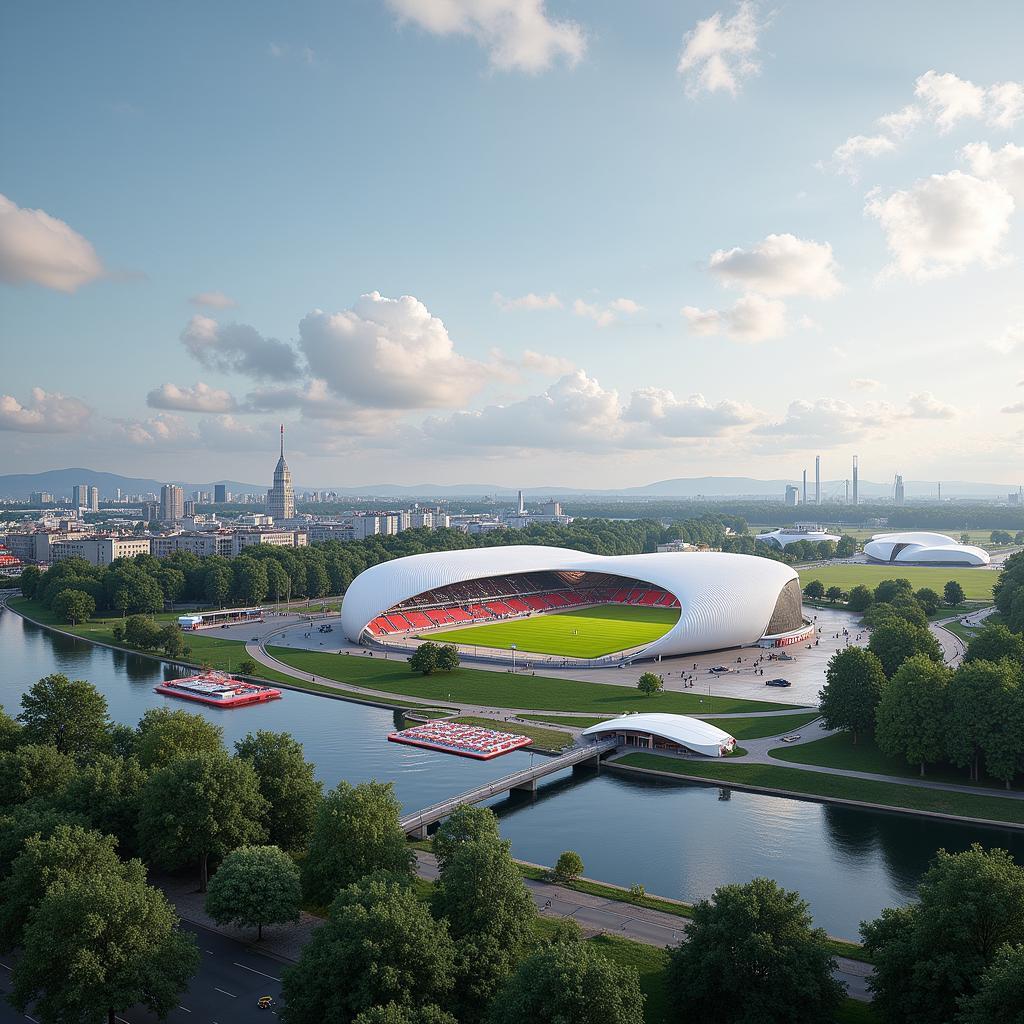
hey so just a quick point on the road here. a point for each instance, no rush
(230, 979)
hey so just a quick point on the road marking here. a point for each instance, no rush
(254, 971)
(34, 1021)
(211, 952)
(122, 1020)
(185, 1008)
(224, 992)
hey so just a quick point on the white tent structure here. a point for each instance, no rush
(666, 731)
(790, 535)
(920, 548)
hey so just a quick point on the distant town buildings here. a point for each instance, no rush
(172, 503)
(898, 492)
(281, 497)
(98, 550)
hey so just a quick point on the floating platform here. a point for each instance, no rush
(217, 689)
(463, 740)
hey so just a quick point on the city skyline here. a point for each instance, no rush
(574, 246)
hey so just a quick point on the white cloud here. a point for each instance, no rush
(160, 431)
(1005, 104)
(779, 265)
(1017, 407)
(1011, 339)
(824, 421)
(948, 98)
(36, 248)
(847, 157)
(901, 122)
(865, 384)
(529, 301)
(925, 406)
(239, 348)
(46, 412)
(754, 318)
(688, 417)
(226, 433)
(213, 300)
(1004, 165)
(625, 306)
(605, 315)
(549, 365)
(518, 35)
(389, 354)
(200, 398)
(943, 224)
(719, 53)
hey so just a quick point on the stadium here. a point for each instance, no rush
(567, 605)
(919, 548)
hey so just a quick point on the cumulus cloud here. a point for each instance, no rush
(157, 432)
(1015, 408)
(529, 301)
(213, 300)
(36, 248)
(687, 417)
(46, 412)
(389, 354)
(847, 156)
(754, 318)
(200, 398)
(865, 384)
(227, 433)
(925, 406)
(518, 35)
(720, 53)
(1004, 165)
(1010, 340)
(779, 265)
(943, 224)
(239, 348)
(949, 98)
(603, 315)
(549, 365)
(825, 420)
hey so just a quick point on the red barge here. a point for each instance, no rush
(217, 689)
(463, 740)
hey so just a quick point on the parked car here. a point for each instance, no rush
(778, 682)
(718, 669)
(791, 738)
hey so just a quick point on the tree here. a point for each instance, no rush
(815, 590)
(490, 915)
(650, 683)
(70, 850)
(853, 686)
(247, 667)
(569, 865)
(379, 945)
(834, 594)
(466, 824)
(172, 642)
(256, 885)
(250, 581)
(29, 582)
(165, 734)
(217, 583)
(37, 818)
(570, 983)
(993, 642)
(424, 658)
(847, 547)
(929, 600)
(33, 770)
(860, 598)
(953, 594)
(199, 807)
(999, 995)
(74, 606)
(10, 731)
(71, 716)
(121, 937)
(107, 793)
(933, 952)
(893, 642)
(356, 833)
(141, 631)
(394, 1013)
(910, 721)
(288, 783)
(752, 948)
(447, 658)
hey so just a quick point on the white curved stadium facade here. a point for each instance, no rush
(920, 548)
(725, 600)
(677, 730)
(782, 537)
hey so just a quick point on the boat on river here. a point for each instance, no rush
(217, 689)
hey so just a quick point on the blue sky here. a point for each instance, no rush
(636, 240)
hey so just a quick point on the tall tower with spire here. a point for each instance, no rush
(281, 497)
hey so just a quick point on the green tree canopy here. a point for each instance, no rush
(73, 606)
(853, 686)
(834, 594)
(356, 833)
(895, 641)
(650, 683)
(999, 996)
(815, 590)
(752, 949)
(993, 642)
(447, 658)
(35, 818)
(860, 598)
(10, 731)
(929, 600)
(464, 825)
(910, 721)
(71, 716)
(888, 590)
(198, 807)
(379, 945)
(569, 865)
(288, 784)
(107, 793)
(165, 734)
(33, 770)
(254, 886)
(953, 594)
(424, 658)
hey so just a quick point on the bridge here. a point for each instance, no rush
(416, 824)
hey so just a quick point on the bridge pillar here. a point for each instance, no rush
(525, 787)
(419, 832)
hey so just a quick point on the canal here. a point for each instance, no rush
(676, 839)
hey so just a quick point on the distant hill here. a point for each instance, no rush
(60, 482)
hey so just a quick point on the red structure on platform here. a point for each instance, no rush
(217, 689)
(464, 740)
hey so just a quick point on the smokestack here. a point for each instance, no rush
(817, 479)
(805, 487)
(856, 494)
(522, 504)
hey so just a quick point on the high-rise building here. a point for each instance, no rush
(856, 481)
(80, 495)
(172, 503)
(522, 505)
(898, 495)
(189, 508)
(805, 486)
(281, 497)
(94, 499)
(220, 494)
(792, 495)
(41, 498)
(817, 479)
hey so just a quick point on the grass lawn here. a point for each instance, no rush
(759, 727)
(839, 751)
(578, 633)
(505, 690)
(817, 784)
(977, 583)
(579, 721)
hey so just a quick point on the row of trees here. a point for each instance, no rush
(890, 596)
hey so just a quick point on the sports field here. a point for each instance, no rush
(977, 583)
(578, 633)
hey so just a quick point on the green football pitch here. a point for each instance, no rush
(578, 633)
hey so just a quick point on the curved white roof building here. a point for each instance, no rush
(724, 600)
(658, 730)
(791, 534)
(919, 548)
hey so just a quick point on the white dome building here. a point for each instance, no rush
(791, 534)
(724, 600)
(920, 548)
(666, 732)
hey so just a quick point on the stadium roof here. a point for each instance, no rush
(692, 733)
(918, 547)
(726, 600)
(785, 536)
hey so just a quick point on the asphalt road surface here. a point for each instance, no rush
(224, 990)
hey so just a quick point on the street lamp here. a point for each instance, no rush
(513, 646)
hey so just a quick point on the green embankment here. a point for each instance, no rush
(817, 784)
(503, 689)
(977, 583)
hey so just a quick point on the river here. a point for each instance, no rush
(675, 838)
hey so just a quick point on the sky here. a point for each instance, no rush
(523, 242)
